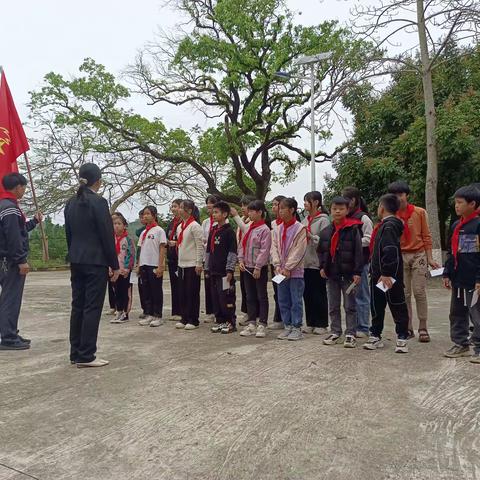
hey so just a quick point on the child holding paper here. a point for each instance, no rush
(220, 261)
(289, 244)
(386, 268)
(253, 257)
(462, 275)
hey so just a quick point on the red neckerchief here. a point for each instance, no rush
(11, 196)
(176, 223)
(284, 233)
(252, 227)
(183, 228)
(211, 225)
(405, 217)
(373, 237)
(278, 221)
(456, 234)
(347, 222)
(216, 229)
(310, 220)
(147, 229)
(118, 240)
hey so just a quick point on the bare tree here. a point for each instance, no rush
(436, 23)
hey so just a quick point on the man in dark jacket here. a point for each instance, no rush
(386, 268)
(462, 274)
(341, 263)
(13, 260)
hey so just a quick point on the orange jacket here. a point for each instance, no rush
(420, 237)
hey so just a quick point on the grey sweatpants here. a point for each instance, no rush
(336, 288)
(460, 314)
(12, 284)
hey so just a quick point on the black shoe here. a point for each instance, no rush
(15, 345)
(25, 340)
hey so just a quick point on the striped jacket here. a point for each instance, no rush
(14, 232)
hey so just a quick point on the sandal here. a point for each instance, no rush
(411, 334)
(423, 336)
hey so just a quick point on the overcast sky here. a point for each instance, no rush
(39, 36)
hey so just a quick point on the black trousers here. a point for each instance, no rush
(89, 285)
(257, 296)
(141, 294)
(189, 284)
(395, 298)
(111, 296)
(12, 284)
(243, 293)
(208, 296)
(152, 291)
(277, 316)
(223, 300)
(315, 298)
(121, 293)
(175, 291)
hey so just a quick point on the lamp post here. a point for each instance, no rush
(310, 60)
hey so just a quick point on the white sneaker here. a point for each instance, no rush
(180, 325)
(286, 333)
(306, 329)
(175, 318)
(119, 317)
(98, 362)
(145, 322)
(243, 321)
(350, 341)
(249, 330)
(373, 343)
(361, 335)
(209, 319)
(320, 331)
(190, 326)
(261, 331)
(332, 339)
(156, 322)
(276, 326)
(402, 346)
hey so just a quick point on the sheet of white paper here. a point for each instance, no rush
(474, 298)
(134, 279)
(437, 272)
(279, 278)
(382, 287)
(225, 283)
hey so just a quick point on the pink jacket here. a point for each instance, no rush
(292, 256)
(256, 253)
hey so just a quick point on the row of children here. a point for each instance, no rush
(315, 261)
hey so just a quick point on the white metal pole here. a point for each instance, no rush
(312, 127)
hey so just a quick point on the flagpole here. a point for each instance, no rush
(34, 195)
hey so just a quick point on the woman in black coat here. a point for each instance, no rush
(91, 251)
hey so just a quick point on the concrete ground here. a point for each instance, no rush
(194, 405)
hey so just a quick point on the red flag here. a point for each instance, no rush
(13, 141)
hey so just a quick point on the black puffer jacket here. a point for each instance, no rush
(387, 256)
(349, 257)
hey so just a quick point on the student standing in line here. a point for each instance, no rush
(122, 288)
(416, 246)
(253, 257)
(462, 275)
(220, 261)
(386, 267)
(341, 263)
(172, 260)
(277, 318)
(111, 292)
(138, 234)
(359, 210)
(91, 251)
(315, 294)
(289, 244)
(207, 226)
(242, 224)
(190, 265)
(153, 242)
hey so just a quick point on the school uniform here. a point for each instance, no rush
(462, 267)
(150, 243)
(254, 253)
(91, 251)
(341, 257)
(315, 293)
(138, 233)
(207, 227)
(14, 250)
(220, 259)
(190, 255)
(386, 260)
(122, 288)
(172, 261)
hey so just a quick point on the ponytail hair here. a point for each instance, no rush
(121, 217)
(212, 199)
(353, 193)
(88, 175)
(189, 205)
(246, 199)
(315, 196)
(259, 206)
(291, 203)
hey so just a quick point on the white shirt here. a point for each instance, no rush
(150, 248)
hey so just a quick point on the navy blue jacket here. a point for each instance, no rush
(14, 232)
